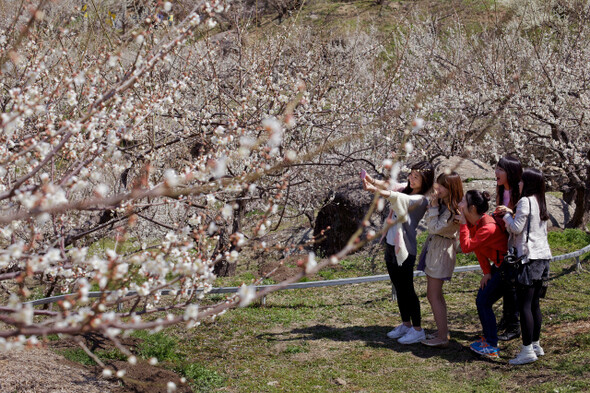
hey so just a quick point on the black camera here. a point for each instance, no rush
(512, 257)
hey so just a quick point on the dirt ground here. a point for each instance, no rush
(40, 370)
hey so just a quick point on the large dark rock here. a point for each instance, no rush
(343, 213)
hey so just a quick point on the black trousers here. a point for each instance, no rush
(402, 278)
(509, 306)
(509, 299)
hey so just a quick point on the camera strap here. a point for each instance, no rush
(528, 225)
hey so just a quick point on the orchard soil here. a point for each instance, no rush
(44, 370)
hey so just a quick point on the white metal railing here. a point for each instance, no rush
(316, 284)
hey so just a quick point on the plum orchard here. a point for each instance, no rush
(159, 139)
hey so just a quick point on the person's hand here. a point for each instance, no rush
(369, 179)
(460, 217)
(503, 210)
(368, 187)
(433, 199)
(484, 280)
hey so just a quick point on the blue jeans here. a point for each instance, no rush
(486, 298)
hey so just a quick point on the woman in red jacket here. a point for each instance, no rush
(480, 234)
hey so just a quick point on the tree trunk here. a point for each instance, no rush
(581, 215)
(223, 267)
(239, 214)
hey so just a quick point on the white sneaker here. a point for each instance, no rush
(526, 355)
(399, 331)
(412, 336)
(538, 349)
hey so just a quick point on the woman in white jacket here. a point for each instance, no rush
(528, 229)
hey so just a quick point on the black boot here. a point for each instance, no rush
(511, 332)
(501, 325)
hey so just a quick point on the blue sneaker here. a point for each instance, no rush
(478, 343)
(484, 349)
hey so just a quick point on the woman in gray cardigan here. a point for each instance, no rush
(528, 234)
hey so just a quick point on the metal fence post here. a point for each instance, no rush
(578, 264)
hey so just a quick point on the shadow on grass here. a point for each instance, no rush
(565, 271)
(376, 337)
(303, 303)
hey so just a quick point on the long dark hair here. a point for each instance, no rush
(452, 182)
(533, 183)
(426, 171)
(513, 168)
(479, 199)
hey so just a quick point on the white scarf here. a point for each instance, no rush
(400, 204)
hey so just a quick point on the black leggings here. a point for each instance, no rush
(402, 278)
(530, 311)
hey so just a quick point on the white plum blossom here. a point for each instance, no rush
(220, 167)
(246, 293)
(417, 124)
(101, 190)
(311, 263)
(191, 312)
(170, 178)
(276, 131)
(233, 256)
(227, 211)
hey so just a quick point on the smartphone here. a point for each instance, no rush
(363, 174)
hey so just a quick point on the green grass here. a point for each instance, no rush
(568, 240)
(113, 354)
(201, 379)
(318, 336)
(77, 355)
(313, 339)
(291, 349)
(161, 346)
(100, 246)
